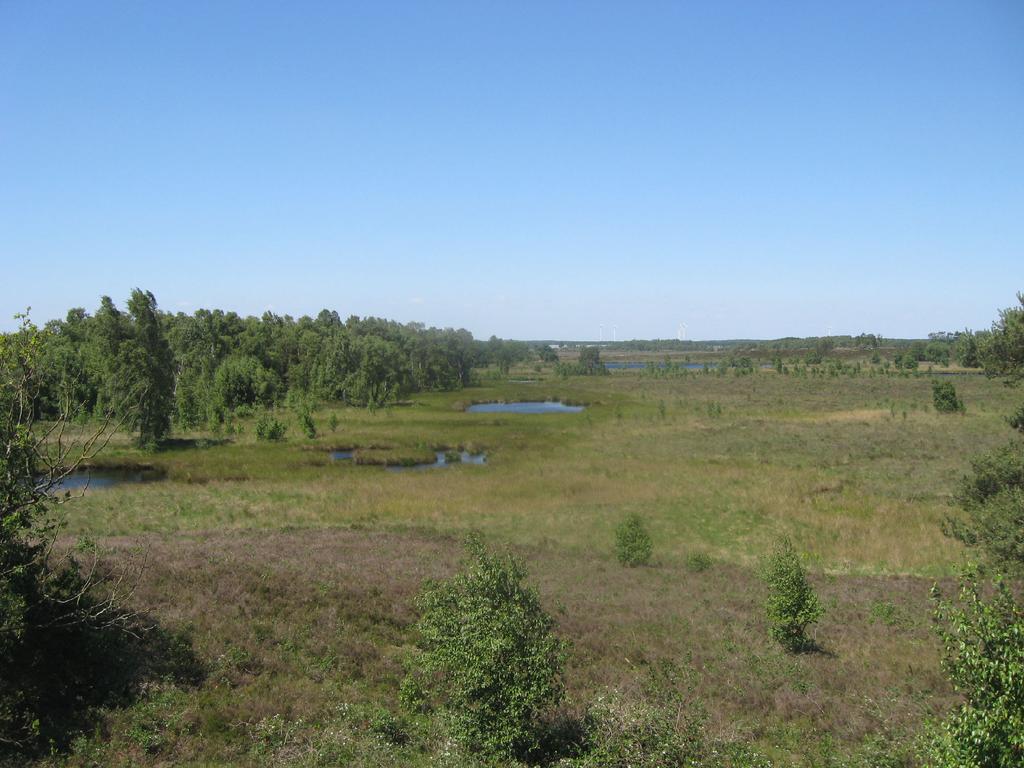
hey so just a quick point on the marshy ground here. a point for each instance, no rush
(294, 574)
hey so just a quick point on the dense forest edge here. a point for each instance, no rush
(152, 369)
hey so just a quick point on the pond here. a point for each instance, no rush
(442, 460)
(342, 455)
(548, 406)
(98, 479)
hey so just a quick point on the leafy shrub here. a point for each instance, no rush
(992, 473)
(389, 727)
(332, 422)
(792, 604)
(945, 398)
(68, 642)
(997, 526)
(487, 654)
(1016, 420)
(638, 733)
(992, 499)
(697, 562)
(269, 428)
(664, 726)
(306, 424)
(632, 542)
(984, 658)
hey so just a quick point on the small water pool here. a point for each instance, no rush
(441, 460)
(99, 479)
(547, 406)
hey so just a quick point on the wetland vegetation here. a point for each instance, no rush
(293, 569)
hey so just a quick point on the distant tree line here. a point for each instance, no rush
(940, 348)
(152, 368)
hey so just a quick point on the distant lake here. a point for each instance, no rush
(549, 406)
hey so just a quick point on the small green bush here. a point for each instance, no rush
(632, 542)
(389, 727)
(487, 655)
(945, 398)
(638, 733)
(661, 727)
(697, 562)
(792, 604)
(269, 428)
(307, 425)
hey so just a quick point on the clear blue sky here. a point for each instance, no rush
(528, 169)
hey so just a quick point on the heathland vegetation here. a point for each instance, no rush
(276, 597)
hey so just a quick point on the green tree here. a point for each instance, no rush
(151, 368)
(243, 380)
(381, 374)
(488, 654)
(992, 496)
(1002, 351)
(966, 350)
(983, 639)
(135, 364)
(792, 605)
(590, 360)
(546, 354)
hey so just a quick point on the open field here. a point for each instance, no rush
(293, 575)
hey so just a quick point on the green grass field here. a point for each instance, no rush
(294, 575)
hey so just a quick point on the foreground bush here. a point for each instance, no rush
(632, 542)
(661, 727)
(640, 733)
(984, 658)
(792, 604)
(68, 641)
(488, 655)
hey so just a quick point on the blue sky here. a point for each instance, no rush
(528, 169)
